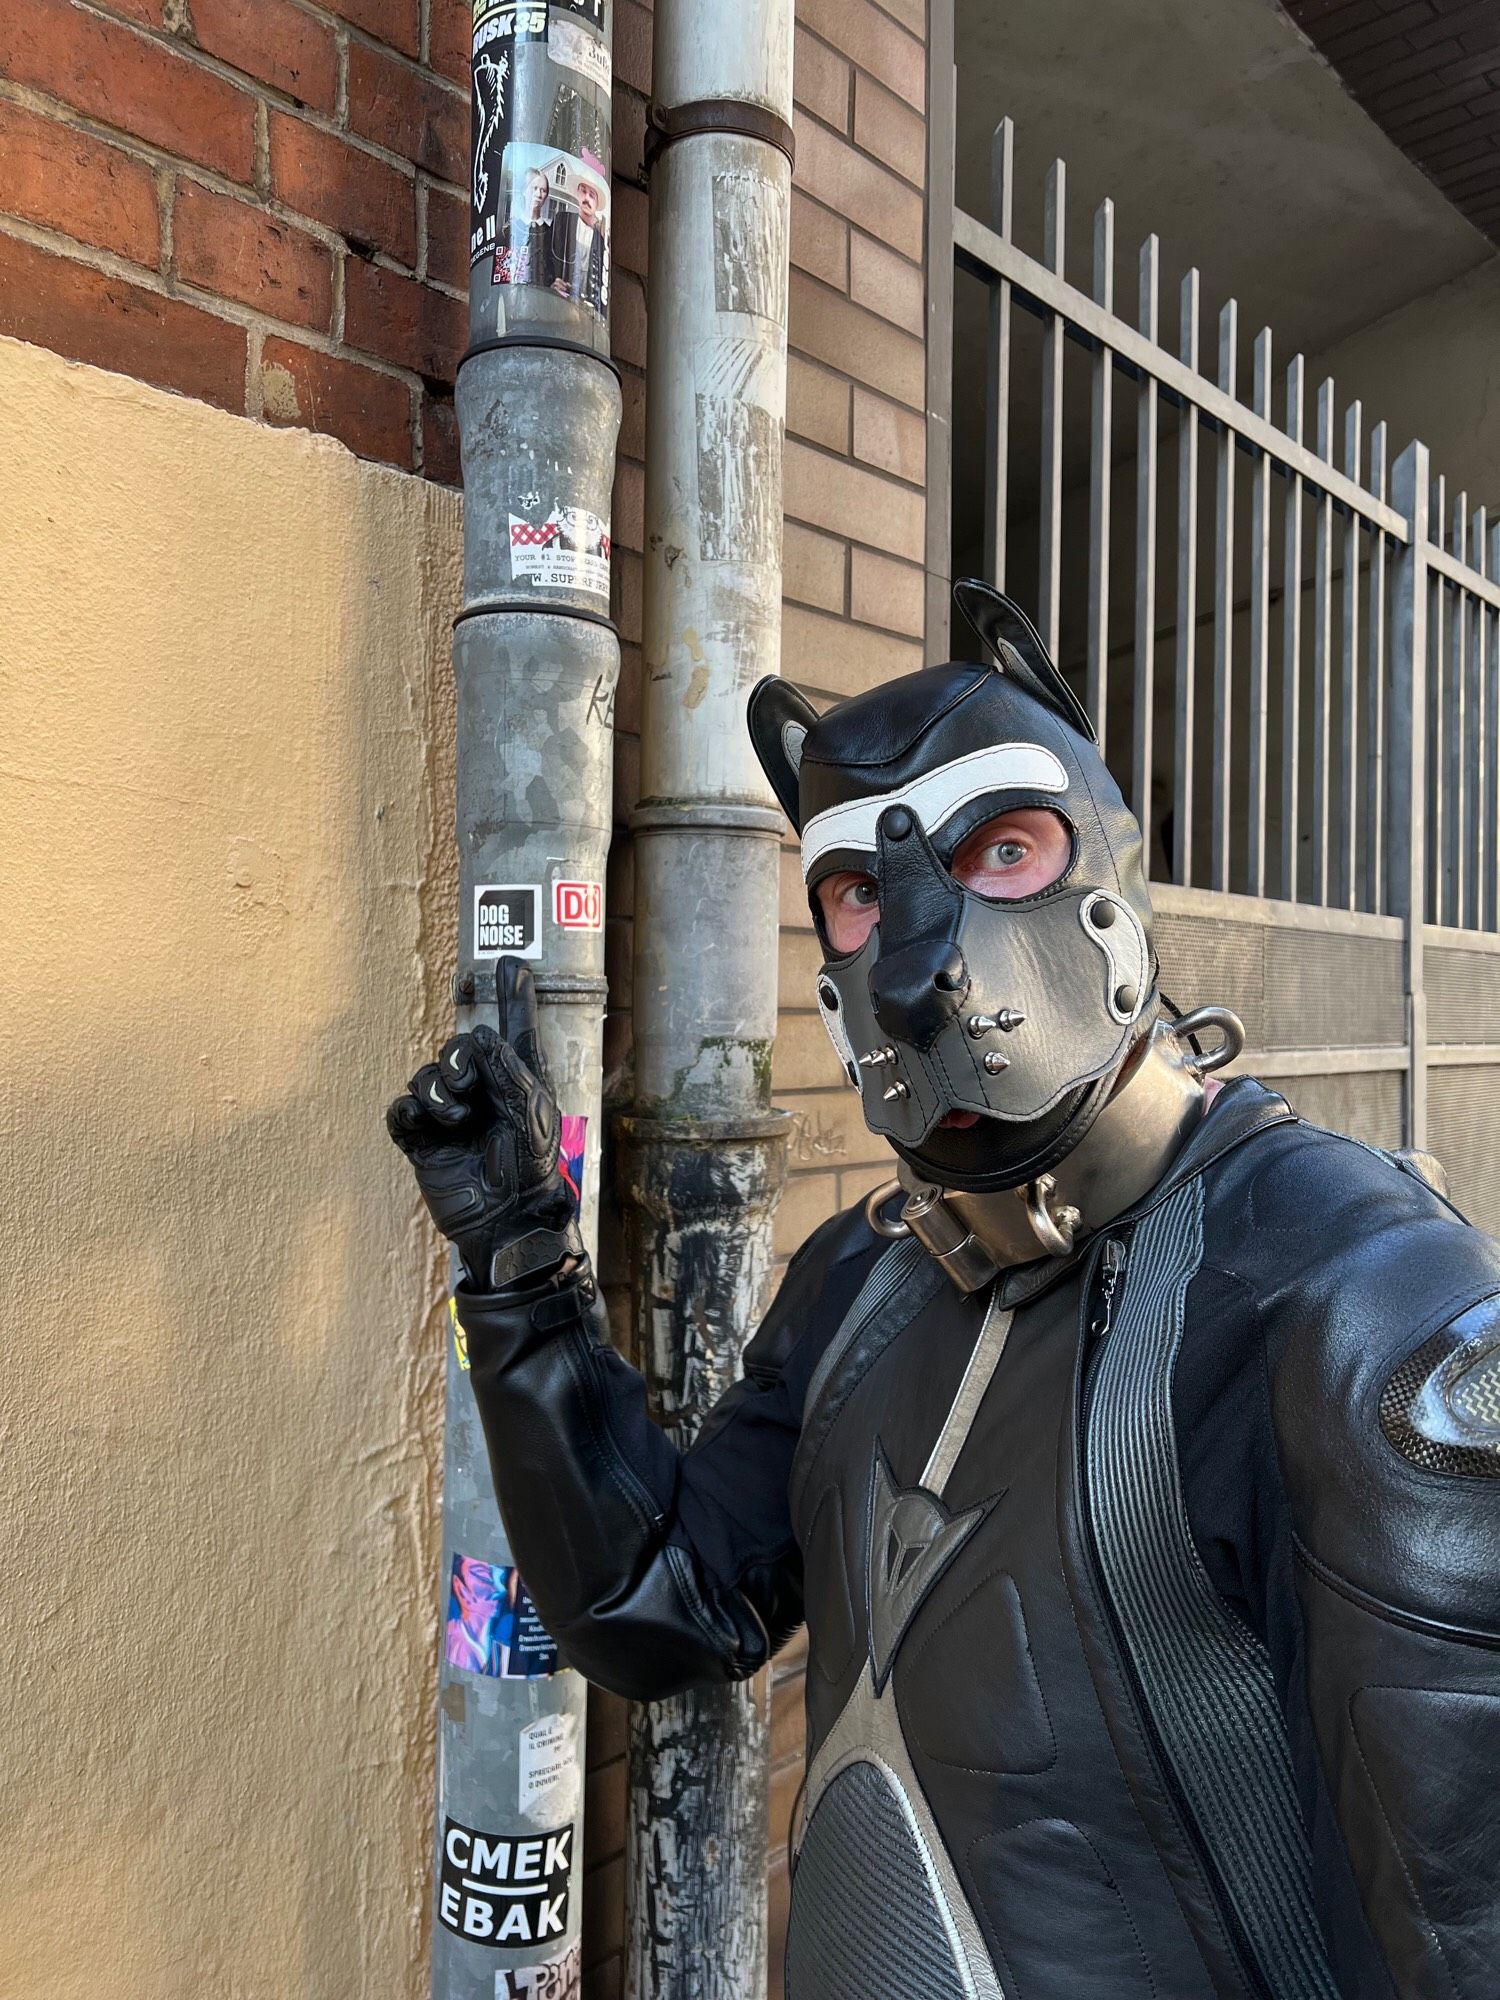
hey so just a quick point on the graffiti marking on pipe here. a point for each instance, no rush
(559, 1979)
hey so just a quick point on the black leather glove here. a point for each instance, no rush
(481, 1128)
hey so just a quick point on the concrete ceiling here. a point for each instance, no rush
(1215, 124)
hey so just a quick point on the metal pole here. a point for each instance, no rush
(1406, 814)
(703, 1154)
(535, 661)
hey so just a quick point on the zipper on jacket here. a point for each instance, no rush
(1105, 1276)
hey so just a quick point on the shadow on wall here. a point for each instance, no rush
(225, 816)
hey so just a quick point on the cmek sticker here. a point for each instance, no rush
(560, 1979)
(508, 922)
(492, 1626)
(504, 1888)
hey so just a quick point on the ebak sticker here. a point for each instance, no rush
(575, 1132)
(504, 1888)
(561, 1979)
(492, 1626)
(568, 551)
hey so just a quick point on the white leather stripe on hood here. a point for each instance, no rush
(936, 796)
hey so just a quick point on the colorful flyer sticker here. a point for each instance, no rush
(492, 1626)
(578, 906)
(562, 1979)
(548, 1784)
(570, 550)
(505, 1888)
(460, 1338)
(575, 1132)
(508, 921)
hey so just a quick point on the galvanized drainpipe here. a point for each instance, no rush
(703, 1156)
(535, 660)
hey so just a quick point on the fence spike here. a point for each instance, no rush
(1003, 177)
(1104, 255)
(1296, 397)
(1260, 389)
(1054, 209)
(1150, 287)
(1189, 293)
(1379, 461)
(1229, 346)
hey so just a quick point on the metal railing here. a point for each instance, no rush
(1307, 655)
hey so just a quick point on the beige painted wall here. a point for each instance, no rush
(225, 858)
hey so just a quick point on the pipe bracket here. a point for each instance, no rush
(666, 124)
(710, 817)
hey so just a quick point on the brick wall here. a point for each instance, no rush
(1428, 73)
(257, 202)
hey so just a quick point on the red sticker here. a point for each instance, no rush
(578, 906)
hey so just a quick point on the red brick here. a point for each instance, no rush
(409, 113)
(403, 321)
(370, 412)
(890, 130)
(874, 41)
(633, 45)
(87, 316)
(397, 22)
(821, 81)
(450, 39)
(448, 238)
(150, 13)
(440, 458)
(369, 200)
(151, 89)
(273, 41)
(849, 183)
(62, 179)
(239, 252)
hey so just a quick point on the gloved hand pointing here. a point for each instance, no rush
(482, 1131)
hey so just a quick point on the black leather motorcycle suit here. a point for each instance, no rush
(1153, 1592)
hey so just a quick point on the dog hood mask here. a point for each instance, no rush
(1024, 1012)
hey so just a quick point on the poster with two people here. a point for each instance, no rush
(542, 208)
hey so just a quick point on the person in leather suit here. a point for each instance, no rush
(1135, 1466)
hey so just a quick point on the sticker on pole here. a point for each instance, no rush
(549, 1767)
(575, 1133)
(568, 551)
(507, 922)
(560, 1979)
(498, 26)
(570, 44)
(460, 1337)
(492, 1626)
(578, 906)
(504, 1888)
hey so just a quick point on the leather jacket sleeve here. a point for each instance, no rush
(1388, 1428)
(653, 1569)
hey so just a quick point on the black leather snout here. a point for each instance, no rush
(917, 989)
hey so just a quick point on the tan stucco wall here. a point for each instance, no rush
(225, 844)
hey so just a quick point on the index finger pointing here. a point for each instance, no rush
(515, 998)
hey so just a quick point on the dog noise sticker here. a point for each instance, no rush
(504, 1889)
(507, 922)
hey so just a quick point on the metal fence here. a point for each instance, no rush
(1289, 640)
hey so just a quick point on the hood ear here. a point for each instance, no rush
(1009, 636)
(779, 718)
